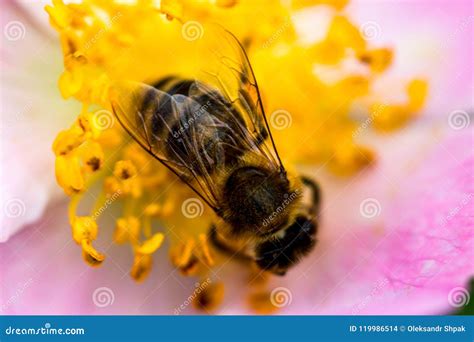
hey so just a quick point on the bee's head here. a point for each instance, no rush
(284, 250)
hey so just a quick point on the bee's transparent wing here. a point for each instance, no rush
(150, 117)
(222, 64)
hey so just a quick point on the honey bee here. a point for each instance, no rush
(212, 132)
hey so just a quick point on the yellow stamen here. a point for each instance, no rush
(84, 231)
(173, 9)
(151, 245)
(141, 268)
(92, 155)
(377, 59)
(387, 118)
(58, 14)
(126, 173)
(210, 297)
(186, 253)
(206, 253)
(127, 229)
(90, 254)
(417, 91)
(68, 174)
(112, 186)
(84, 228)
(147, 228)
(124, 169)
(338, 4)
(70, 83)
(349, 158)
(168, 208)
(226, 3)
(346, 34)
(260, 302)
(153, 210)
(68, 140)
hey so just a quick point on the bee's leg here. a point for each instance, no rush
(315, 192)
(224, 248)
(282, 252)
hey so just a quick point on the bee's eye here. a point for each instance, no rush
(279, 254)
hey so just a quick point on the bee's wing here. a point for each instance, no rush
(149, 115)
(222, 63)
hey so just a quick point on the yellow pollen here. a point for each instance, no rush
(151, 245)
(210, 297)
(206, 252)
(142, 264)
(68, 174)
(124, 169)
(68, 140)
(260, 302)
(127, 230)
(377, 59)
(185, 254)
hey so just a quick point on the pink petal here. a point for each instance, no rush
(408, 262)
(431, 39)
(32, 114)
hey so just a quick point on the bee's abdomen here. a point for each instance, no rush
(174, 85)
(163, 114)
(158, 115)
